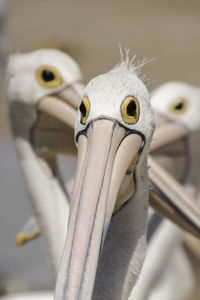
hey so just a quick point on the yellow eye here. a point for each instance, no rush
(179, 106)
(84, 109)
(130, 110)
(48, 77)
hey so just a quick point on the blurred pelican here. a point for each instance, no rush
(43, 89)
(169, 263)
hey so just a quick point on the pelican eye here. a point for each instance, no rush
(84, 109)
(49, 77)
(130, 110)
(179, 106)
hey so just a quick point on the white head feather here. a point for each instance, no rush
(106, 94)
(21, 74)
(170, 92)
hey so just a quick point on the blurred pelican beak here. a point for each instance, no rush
(166, 132)
(53, 130)
(169, 198)
(167, 195)
(63, 105)
(105, 152)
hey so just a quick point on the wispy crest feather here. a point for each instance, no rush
(126, 64)
(129, 64)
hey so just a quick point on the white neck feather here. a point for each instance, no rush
(125, 244)
(165, 239)
(47, 199)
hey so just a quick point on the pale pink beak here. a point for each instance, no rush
(105, 152)
(63, 105)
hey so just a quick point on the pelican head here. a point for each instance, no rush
(178, 103)
(113, 131)
(44, 87)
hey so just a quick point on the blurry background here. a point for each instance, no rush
(90, 31)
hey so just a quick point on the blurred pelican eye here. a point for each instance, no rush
(130, 110)
(179, 106)
(48, 76)
(84, 110)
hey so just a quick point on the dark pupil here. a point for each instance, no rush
(48, 75)
(131, 108)
(179, 106)
(82, 109)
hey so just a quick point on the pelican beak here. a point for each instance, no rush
(63, 105)
(167, 195)
(170, 198)
(166, 132)
(105, 152)
(55, 122)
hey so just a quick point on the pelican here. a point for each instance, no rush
(106, 238)
(113, 131)
(43, 87)
(169, 264)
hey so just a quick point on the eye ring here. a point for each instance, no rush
(49, 77)
(130, 110)
(179, 106)
(84, 109)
